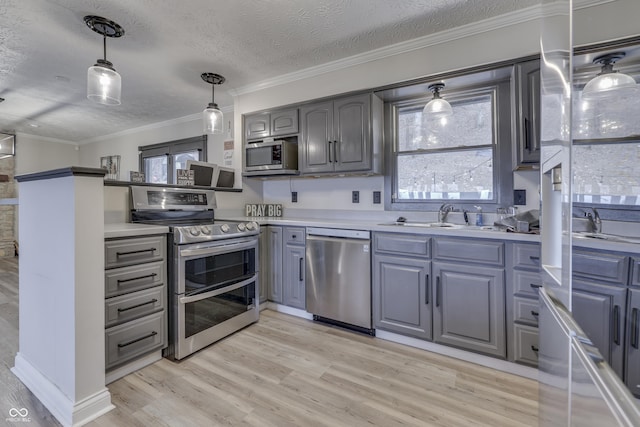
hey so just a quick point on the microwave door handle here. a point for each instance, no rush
(218, 291)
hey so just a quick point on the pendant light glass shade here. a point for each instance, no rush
(437, 107)
(212, 119)
(7, 145)
(609, 81)
(212, 116)
(104, 84)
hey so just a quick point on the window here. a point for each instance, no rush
(159, 162)
(458, 158)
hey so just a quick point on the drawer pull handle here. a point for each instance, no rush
(534, 313)
(152, 334)
(141, 251)
(535, 285)
(616, 324)
(153, 301)
(301, 267)
(534, 348)
(534, 258)
(293, 236)
(634, 328)
(329, 151)
(437, 291)
(148, 276)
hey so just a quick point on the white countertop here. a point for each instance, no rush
(127, 229)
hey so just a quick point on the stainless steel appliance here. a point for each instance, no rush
(213, 266)
(279, 155)
(338, 277)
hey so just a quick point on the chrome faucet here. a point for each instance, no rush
(594, 220)
(444, 211)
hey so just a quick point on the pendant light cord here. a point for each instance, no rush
(104, 44)
(213, 93)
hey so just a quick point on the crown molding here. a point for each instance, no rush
(153, 126)
(513, 18)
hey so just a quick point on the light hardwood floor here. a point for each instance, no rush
(286, 371)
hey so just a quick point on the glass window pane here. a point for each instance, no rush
(463, 175)
(155, 169)
(470, 125)
(607, 173)
(180, 160)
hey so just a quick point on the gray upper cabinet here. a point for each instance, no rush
(527, 120)
(600, 312)
(275, 123)
(632, 361)
(343, 135)
(469, 307)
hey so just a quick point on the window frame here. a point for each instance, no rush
(170, 149)
(503, 129)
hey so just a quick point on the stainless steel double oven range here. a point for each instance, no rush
(212, 266)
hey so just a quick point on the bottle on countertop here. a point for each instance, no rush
(478, 215)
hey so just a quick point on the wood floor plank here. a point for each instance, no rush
(286, 371)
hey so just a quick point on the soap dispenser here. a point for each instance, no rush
(478, 215)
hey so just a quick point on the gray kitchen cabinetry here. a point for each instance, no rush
(274, 276)
(293, 266)
(469, 295)
(523, 282)
(265, 270)
(402, 284)
(135, 303)
(274, 123)
(632, 354)
(527, 128)
(341, 135)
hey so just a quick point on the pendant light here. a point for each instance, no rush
(437, 107)
(608, 81)
(104, 84)
(212, 116)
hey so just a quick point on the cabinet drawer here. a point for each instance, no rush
(526, 283)
(525, 310)
(403, 244)
(119, 253)
(463, 250)
(131, 306)
(294, 235)
(602, 266)
(134, 278)
(526, 345)
(135, 338)
(526, 255)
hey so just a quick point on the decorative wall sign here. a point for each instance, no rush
(135, 176)
(185, 177)
(112, 165)
(263, 210)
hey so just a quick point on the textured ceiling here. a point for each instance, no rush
(45, 50)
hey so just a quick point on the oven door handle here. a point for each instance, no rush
(217, 249)
(215, 292)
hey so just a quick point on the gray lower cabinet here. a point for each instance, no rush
(632, 353)
(401, 292)
(294, 284)
(600, 312)
(265, 269)
(274, 241)
(135, 298)
(469, 307)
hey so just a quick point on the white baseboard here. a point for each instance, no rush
(289, 310)
(120, 372)
(67, 412)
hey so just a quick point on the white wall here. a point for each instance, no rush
(37, 154)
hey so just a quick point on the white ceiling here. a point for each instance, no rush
(46, 48)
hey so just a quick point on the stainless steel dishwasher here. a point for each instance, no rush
(338, 277)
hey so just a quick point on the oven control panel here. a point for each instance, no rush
(215, 231)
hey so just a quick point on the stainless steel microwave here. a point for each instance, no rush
(273, 155)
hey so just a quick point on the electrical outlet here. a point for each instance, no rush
(355, 196)
(520, 197)
(376, 197)
(294, 197)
